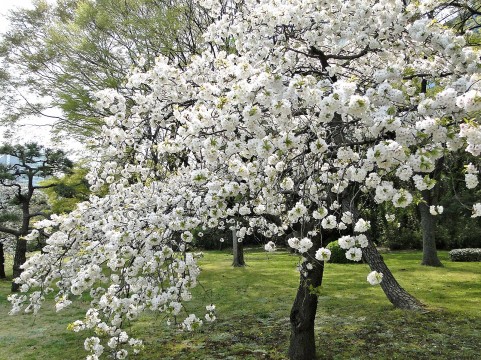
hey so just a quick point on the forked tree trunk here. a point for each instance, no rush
(399, 297)
(237, 251)
(428, 225)
(2, 262)
(303, 313)
(18, 261)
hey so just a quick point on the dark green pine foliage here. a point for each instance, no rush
(26, 165)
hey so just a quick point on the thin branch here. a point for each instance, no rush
(10, 231)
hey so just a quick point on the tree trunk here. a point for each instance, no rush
(428, 225)
(303, 313)
(21, 244)
(237, 250)
(18, 261)
(399, 297)
(2, 262)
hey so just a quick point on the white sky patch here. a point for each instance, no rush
(6, 6)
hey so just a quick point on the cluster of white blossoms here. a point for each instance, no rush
(471, 179)
(323, 254)
(314, 103)
(476, 210)
(353, 246)
(301, 245)
(362, 226)
(374, 277)
(270, 246)
(436, 209)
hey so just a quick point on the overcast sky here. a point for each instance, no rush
(6, 5)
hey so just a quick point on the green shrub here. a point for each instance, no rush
(338, 254)
(465, 255)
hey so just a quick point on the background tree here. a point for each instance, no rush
(2, 258)
(67, 191)
(462, 17)
(61, 54)
(9, 214)
(458, 194)
(28, 162)
(237, 250)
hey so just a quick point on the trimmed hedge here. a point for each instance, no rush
(466, 255)
(338, 254)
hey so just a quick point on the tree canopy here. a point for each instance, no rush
(293, 111)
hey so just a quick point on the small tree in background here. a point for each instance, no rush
(28, 163)
(67, 191)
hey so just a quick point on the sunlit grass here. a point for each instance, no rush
(354, 319)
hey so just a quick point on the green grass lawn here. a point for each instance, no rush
(354, 319)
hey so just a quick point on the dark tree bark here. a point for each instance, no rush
(399, 297)
(428, 225)
(2, 262)
(237, 251)
(303, 313)
(18, 260)
(21, 244)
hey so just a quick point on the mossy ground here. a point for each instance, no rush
(354, 319)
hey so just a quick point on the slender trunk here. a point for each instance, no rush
(237, 251)
(18, 261)
(399, 297)
(2, 262)
(428, 225)
(303, 313)
(21, 244)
